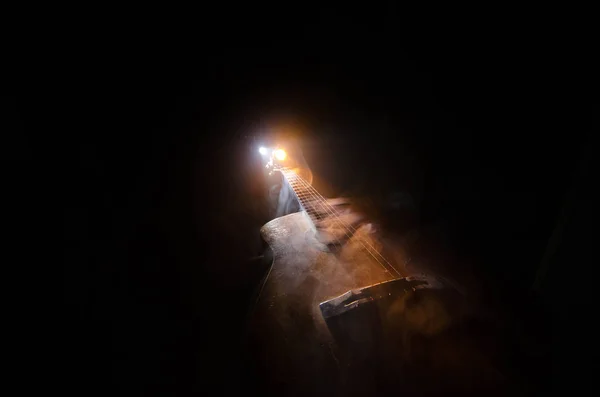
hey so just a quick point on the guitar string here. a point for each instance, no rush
(324, 200)
(336, 217)
(336, 214)
(312, 192)
(307, 199)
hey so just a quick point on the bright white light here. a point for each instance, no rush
(262, 150)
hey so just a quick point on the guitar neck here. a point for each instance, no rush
(310, 200)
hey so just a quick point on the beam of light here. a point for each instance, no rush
(262, 150)
(280, 154)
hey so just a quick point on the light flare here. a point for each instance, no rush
(280, 154)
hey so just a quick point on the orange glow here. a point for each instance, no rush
(280, 154)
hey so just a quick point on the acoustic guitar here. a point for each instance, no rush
(333, 316)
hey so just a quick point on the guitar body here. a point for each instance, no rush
(340, 322)
(297, 352)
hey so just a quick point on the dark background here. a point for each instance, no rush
(165, 207)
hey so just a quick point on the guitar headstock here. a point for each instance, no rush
(275, 158)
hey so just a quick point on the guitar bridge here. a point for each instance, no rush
(358, 297)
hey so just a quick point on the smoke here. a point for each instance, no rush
(346, 226)
(429, 330)
(341, 223)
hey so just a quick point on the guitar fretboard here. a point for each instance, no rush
(311, 202)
